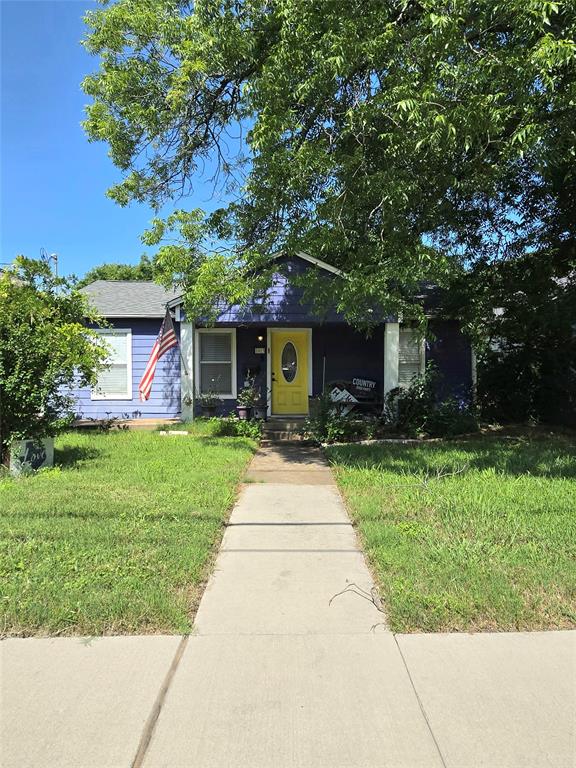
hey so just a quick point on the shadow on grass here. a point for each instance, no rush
(71, 456)
(541, 458)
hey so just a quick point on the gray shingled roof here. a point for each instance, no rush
(128, 298)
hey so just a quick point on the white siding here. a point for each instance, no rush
(410, 356)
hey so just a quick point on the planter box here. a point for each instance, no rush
(30, 455)
(260, 412)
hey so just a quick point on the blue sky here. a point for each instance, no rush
(53, 181)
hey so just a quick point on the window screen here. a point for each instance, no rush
(114, 381)
(216, 363)
(410, 356)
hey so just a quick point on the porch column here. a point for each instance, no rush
(391, 350)
(187, 370)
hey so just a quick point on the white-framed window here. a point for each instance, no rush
(411, 356)
(216, 361)
(115, 382)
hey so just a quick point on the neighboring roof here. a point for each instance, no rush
(128, 298)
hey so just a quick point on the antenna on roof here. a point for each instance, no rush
(50, 258)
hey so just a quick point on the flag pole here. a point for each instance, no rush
(183, 361)
(180, 350)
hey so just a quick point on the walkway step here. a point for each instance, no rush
(283, 437)
(289, 462)
(283, 428)
(277, 423)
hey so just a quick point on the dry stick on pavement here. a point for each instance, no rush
(372, 596)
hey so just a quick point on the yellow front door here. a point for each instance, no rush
(289, 372)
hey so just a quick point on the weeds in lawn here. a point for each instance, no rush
(490, 546)
(118, 536)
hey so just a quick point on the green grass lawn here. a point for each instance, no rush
(119, 536)
(491, 547)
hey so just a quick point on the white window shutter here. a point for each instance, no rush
(114, 382)
(216, 362)
(409, 356)
(117, 343)
(216, 347)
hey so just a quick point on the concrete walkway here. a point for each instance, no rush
(275, 675)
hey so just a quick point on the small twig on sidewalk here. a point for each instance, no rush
(372, 596)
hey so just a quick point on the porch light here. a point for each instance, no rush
(260, 338)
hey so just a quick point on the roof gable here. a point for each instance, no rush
(318, 263)
(284, 257)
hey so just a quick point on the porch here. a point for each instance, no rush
(288, 365)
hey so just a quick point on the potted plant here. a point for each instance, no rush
(246, 399)
(208, 401)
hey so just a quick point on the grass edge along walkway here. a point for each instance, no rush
(469, 535)
(119, 537)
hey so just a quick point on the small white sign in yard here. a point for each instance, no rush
(28, 455)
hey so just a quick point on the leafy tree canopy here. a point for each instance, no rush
(45, 348)
(526, 344)
(397, 140)
(144, 270)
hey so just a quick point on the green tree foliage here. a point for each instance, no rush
(144, 270)
(526, 342)
(399, 141)
(45, 348)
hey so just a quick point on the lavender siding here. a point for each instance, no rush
(283, 303)
(165, 397)
(348, 354)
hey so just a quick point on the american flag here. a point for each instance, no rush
(165, 341)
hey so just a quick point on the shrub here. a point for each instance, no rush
(544, 384)
(416, 409)
(328, 425)
(46, 350)
(408, 409)
(232, 426)
(451, 417)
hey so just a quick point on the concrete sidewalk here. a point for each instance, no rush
(274, 675)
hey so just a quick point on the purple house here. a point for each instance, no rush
(278, 342)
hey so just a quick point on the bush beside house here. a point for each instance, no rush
(417, 410)
(45, 349)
